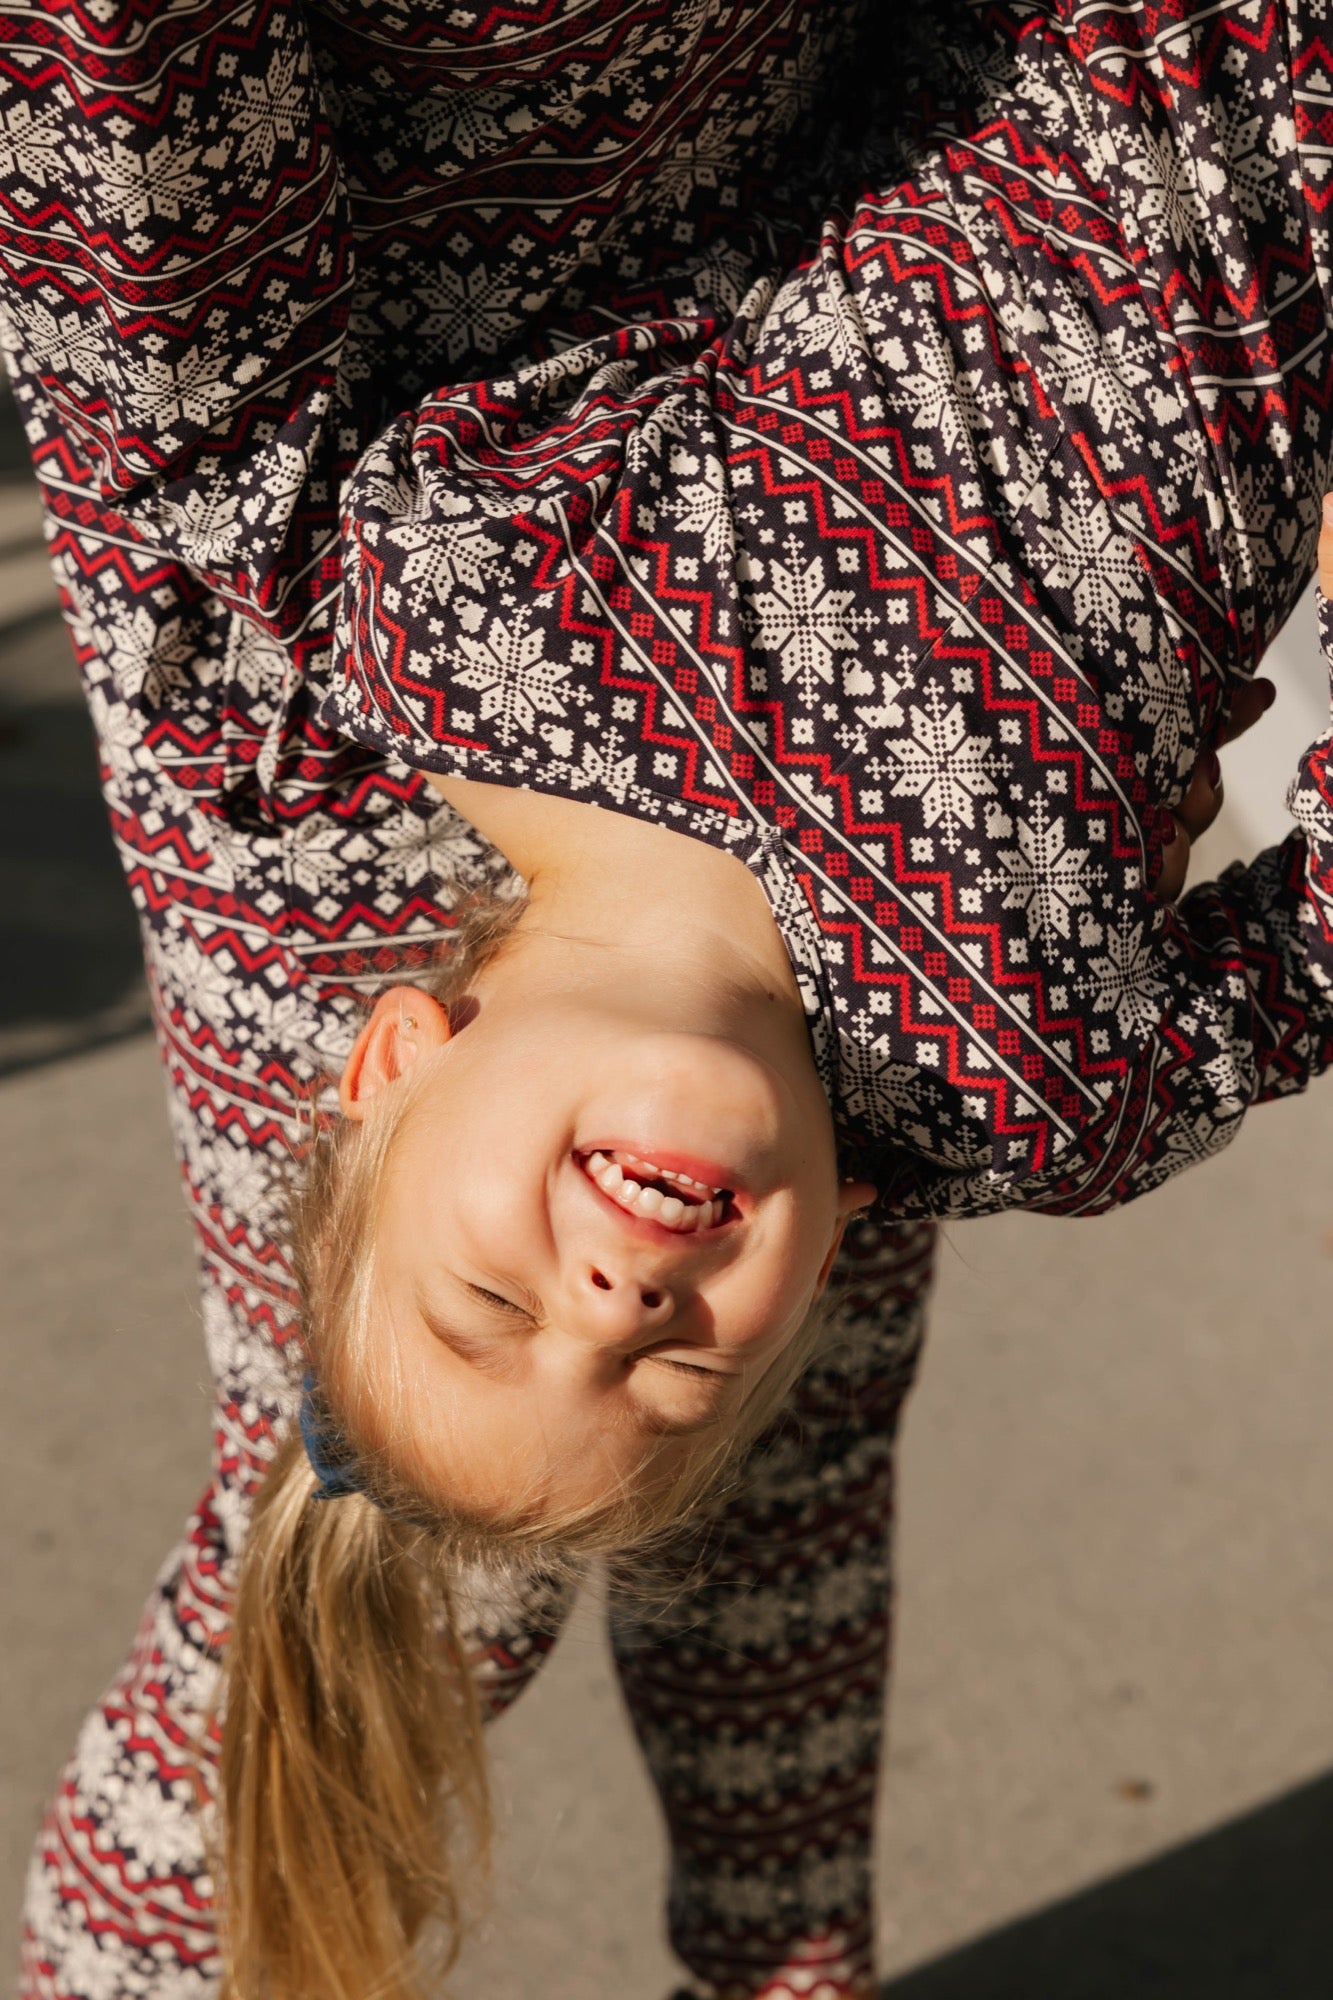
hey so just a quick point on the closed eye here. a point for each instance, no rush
(503, 1304)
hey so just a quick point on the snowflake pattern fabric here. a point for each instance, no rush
(476, 361)
(920, 582)
(525, 392)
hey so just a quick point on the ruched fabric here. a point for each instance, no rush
(460, 391)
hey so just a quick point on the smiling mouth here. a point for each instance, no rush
(658, 1194)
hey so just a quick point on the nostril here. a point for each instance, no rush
(602, 1284)
(651, 1299)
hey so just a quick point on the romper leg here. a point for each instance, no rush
(758, 1694)
(120, 1898)
(256, 942)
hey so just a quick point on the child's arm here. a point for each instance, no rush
(1248, 1013)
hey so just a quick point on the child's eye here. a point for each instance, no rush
(494, 1299)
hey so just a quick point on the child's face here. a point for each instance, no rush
(546, 1331)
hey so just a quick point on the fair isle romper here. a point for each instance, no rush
(486, 390)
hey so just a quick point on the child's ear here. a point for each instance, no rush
(853, 1196)
(405, 1023)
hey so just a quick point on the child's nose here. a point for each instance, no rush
(619, 1308)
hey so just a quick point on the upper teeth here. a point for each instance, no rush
(703, 1208)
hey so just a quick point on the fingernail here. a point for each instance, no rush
(1328, 510)
(1213, 770)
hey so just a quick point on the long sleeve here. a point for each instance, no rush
(945, 554)
(1243, 1015)
(919, 574)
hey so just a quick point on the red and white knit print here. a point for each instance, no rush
(477, 388)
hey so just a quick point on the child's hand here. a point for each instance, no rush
(1203, 797)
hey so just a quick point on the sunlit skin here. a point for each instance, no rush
(600, 1327)
(544, 1336)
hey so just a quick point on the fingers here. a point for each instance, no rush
(1326, 548)
(1203, 798)
(1192, 817)
(1252, 700)
(1175, 866)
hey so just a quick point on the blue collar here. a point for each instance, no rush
(333, 1466)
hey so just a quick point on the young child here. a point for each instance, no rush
(916, 581)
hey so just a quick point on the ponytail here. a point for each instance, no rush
(351, 1772)
(351, 1750)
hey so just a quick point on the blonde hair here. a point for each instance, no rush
(355, 1811)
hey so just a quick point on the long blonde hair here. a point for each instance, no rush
(355, 1811)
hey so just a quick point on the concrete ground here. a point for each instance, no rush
(1112, 1728)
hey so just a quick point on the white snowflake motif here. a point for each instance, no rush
(1171, 204)
(207, 523)
(734, 1770)
(827, 327)
(467, 310)
(702, 508)
(94, 1965)
(1193, 1137)
(759, 1618)
(606, 767)
(189, 387)
(840, 1743)
(1249, 174)
(230, 858)
(101, 1757)
(36, 145)
(707, 162)
(949, 401)
(1043, 877)
(68, 343)
(117, 735)
(804, 622)
(1160, 694)
(1087, 555)
(831, 1883)
(444, 554)
(1250, 510)
(876, 1088)
(1123, 980)
(161, 1832)
(249, 1188)
(146, 656)
(942, 766)
(158, 181)
(313, 856)
(1226, 1080)
(202, 983)
(844, 1593)
(516, 682)
(443, 849)
(722, 276)
(1098, 369)
(269, 112)
(254, 661)
(468, 126)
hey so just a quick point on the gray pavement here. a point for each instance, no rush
(1112, 1725)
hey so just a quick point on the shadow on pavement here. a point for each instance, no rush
(1245, 1913)
(68, 940)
